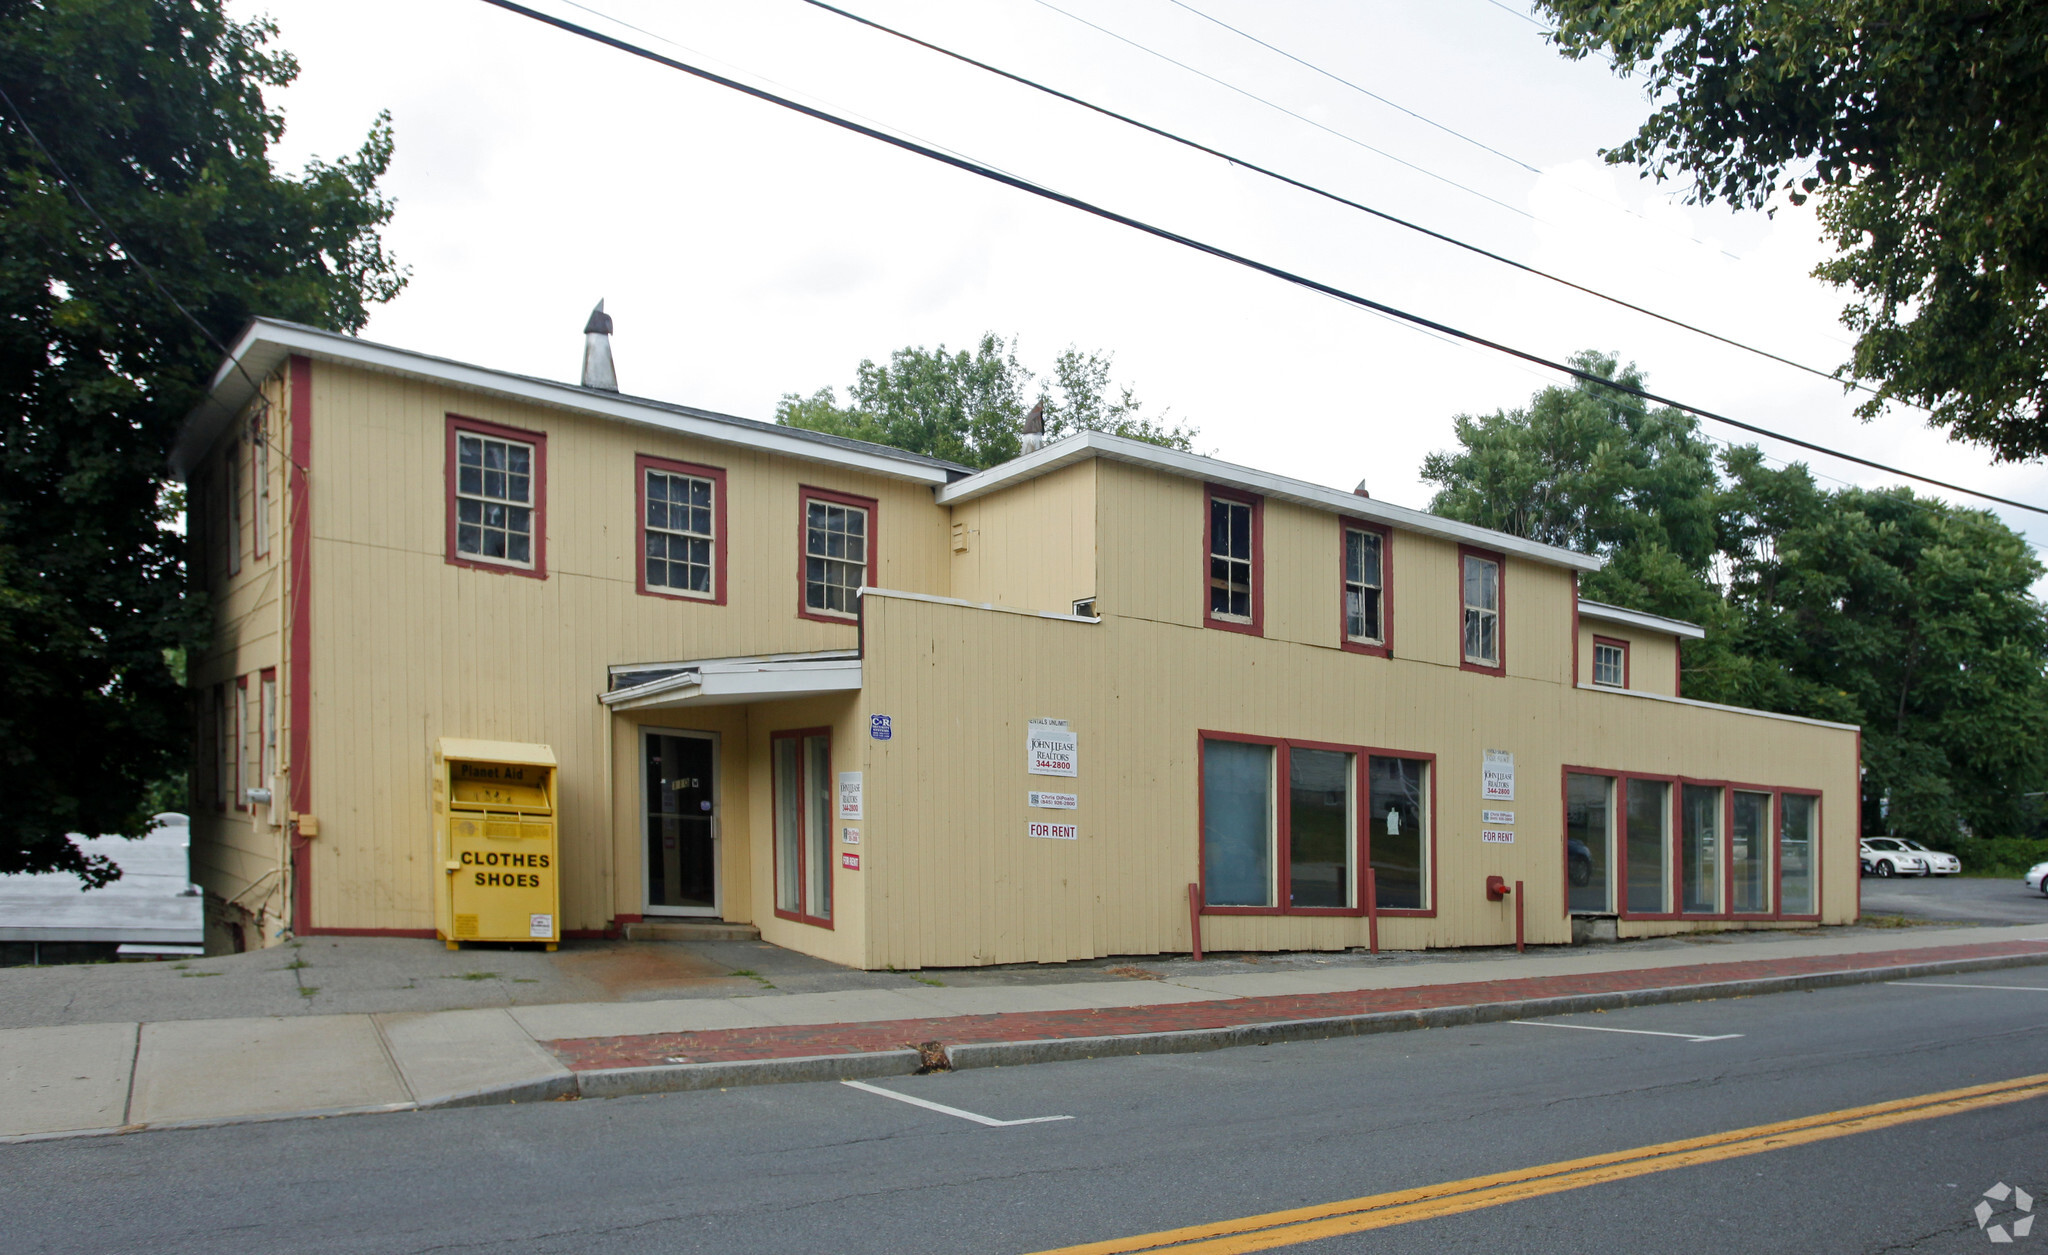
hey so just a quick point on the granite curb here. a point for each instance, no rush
(676, 1077)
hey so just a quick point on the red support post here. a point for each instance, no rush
(1518, 917)
(1372, 911)
(1195, 918)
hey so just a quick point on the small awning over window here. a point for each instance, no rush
(730, 681)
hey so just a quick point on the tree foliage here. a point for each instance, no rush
(969, 406)
(154, 109)
(1902, 614)
(1922, 125)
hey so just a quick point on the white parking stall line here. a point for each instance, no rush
(1639, 1032)
(943, 1109)
(1932, 984)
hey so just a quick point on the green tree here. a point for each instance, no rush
(969, 407)
(1596, 470)
(1922, 126)
(1901, 614)
(154, 112)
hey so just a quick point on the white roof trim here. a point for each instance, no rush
(975, 605)
(267, 343)
(1636, 618)
(731, 683)
(1733, 710)
(727, 664)
(1091, 444)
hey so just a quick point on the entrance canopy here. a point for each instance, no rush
(731, 681)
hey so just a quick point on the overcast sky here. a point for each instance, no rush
(747, 252)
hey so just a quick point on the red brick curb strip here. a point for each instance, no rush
(678, 1061)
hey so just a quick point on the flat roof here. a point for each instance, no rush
(1095, 444)
(267, 342)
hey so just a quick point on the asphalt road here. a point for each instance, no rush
(1153, 1143)
(2003, 900)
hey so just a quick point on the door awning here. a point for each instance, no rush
(731, 681)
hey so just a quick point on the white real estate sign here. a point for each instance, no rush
(1051, 749)
(1497, 776)
(849, 795)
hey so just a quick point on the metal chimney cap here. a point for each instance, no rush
(1034, 422)
(600, 322)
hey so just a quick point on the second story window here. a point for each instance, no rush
(682, 530)
(838, 551)
(1364, 586)
(1233, 553)
(231, 481)
(1610, 662)
(497, 487)
(1482, 598)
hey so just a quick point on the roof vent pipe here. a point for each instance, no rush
(597, 352)
(1360, 490)
(1034, 429)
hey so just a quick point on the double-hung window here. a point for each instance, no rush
(1232, 543)
(231, 488)
(497, 483)
(1365, 587)
(1610, 662)
(838, 552)
(682, 530)
(1480, 583)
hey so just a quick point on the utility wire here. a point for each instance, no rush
(1158, 232)
(1325, 193)
(1338, 78)
(1299, 117)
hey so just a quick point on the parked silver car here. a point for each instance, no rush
(1888, 856)
(1938, 864)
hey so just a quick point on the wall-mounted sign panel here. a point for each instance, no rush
(1054, 801)
(849, 795)
(1055, 832)
(1497, 776)
(1052, 749)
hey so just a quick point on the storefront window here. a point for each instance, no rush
(1798, 812)
(1237, 823)
(1749, 854)
(1319, 827)
(1649, 812)
(1589, 842)
(802, 766)
(1699, 850)
(1399, 847)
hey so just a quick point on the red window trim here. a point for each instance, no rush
(805, 494)
(231, 492)
(217, 772)
(1618, 643)
(1674, 837)
(539, 441)
(645, 462)
(1385, 648)
(1282, 823)
(799, 915)
(1257, 626)
(1500, 620)
(259, 515)
(266, 676)
(241, 741)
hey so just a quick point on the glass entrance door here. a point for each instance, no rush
(679, 771)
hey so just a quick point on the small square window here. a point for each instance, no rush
(1610, 663)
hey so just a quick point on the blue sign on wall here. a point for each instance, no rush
(879, 727)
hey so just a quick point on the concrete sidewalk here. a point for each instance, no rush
(78, 1079)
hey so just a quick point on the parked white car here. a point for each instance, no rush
(1888, 856)
(2037, 879)
(1938, 864)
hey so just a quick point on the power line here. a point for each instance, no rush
(1338, 78)
(1256, 168)
(1299, 117)
(1158, 232)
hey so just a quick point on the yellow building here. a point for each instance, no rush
(895, 712)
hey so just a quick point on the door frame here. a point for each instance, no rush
(717, 909)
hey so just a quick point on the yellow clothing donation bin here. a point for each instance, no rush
(494, 841)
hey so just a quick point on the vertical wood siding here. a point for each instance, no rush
(1032, 546)
(1652, 656)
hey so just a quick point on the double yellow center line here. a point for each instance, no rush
(1380, 1211)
